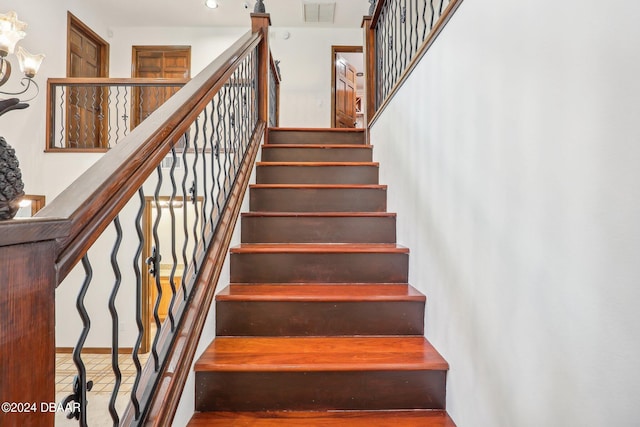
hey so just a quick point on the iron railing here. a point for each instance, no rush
(151, 255)
(402, 28)
(97, 113)
(274, 92)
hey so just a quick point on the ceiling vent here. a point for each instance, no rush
(318, 12)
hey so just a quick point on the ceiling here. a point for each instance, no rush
(230, 13)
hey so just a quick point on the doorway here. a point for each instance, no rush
(157, 62)
(347, 87)
(158, 216)
(87, 57)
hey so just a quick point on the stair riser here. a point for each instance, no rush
(318, 200)
(318, 229)
(316, 155)
(316, 137)
(319, 268)
(359, 390)
(317, 174)
(303, 318)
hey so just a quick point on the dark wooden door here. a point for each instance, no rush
(86, 112)
(161, 62)
(345, 94)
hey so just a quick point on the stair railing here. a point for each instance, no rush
(274, 92)
(188, 163)
(397, 34)
(94, 114)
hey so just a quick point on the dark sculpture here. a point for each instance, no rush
(259, 7)
(372, 7)
(11, 185)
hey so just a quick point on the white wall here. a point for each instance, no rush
(512, 158)
(305, 90)
(25, 129)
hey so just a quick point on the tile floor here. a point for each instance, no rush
(99, 371)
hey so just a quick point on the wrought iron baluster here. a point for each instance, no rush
(433, 14)
(114, 323)
(62, 117)
(125, 117)
(85, 135)
(93, 117)
(185, 204)
(213, 219)
(81, 385)
(414, 26)
(194, 195)
(219, 137)
(137, 260)
(225, 137)
(117, 114)
(402, 28)
(108, 102)
(205, 195)
(154, 269)
(174, 258)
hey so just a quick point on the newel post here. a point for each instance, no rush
(260, 22)
(27, 320)
(370, 66)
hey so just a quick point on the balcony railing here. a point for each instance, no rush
(96, 114)
(397, 35)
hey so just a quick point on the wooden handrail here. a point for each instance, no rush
(169, 390)
(94, 199)
(108, 81)
(38, 254)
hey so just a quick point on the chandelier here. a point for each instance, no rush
(11, 32)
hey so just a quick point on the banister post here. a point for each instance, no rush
(369, 34)
(260, 22)
(28, 280)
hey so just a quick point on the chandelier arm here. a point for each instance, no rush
(5, 71)
(26, 85)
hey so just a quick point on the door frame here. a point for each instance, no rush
(103, 51)
(147, 280)
(81, 27)
(335, 49)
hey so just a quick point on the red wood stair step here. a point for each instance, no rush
(315, 136)
(293, 354)
(414, 418)
(319, 310)
(320, 373)
(316, 153)
(332, 263)
(317, 172)
(317, 198)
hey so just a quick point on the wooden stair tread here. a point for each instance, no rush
(319, 214)
(400, 418)
(312, 130)
(320, 354)
(318, 248)
(318, 164)
(338, 146)
(321, 186)
(319, 293)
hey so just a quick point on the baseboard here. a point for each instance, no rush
(95, 350)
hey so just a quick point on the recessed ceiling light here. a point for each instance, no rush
(211, 4)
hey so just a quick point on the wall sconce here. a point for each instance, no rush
(11, 32)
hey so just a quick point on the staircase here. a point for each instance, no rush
(319, 325)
